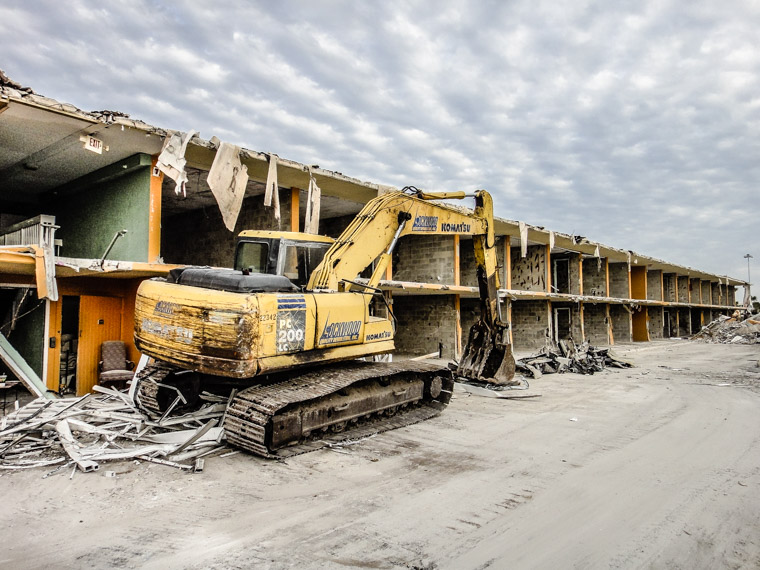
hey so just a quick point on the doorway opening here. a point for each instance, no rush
(69, 345)
(562, 324)
(561, 281)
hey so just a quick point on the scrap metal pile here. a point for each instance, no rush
(106, 426)
(567, 357)
(731, 330)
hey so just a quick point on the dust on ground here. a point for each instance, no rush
(653, 466)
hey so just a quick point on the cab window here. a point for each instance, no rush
(252, 256)
(299, 259)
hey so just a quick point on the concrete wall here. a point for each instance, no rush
(717, 294)
(706, 293)
(684, 322)
(201, 238)
(468, 268)
(619, 281)
(654, 285)
(595, 324)
(655, 322)
(469, 313)
(621, 323)
(529, 273)
(332, 227)
(424, 259)
(423, 322)
(89, 219)
(28, 335)
(669, 282)
(694, 290)
(530, 324)
(594, 277)
(683, 289)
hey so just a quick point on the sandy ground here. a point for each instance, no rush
(652, 467)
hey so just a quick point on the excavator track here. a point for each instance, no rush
(159, 385)
(340, 402)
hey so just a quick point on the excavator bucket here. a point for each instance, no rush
(487, 357)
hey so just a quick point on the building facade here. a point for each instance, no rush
(95, 202)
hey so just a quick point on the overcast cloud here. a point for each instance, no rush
(633, 123)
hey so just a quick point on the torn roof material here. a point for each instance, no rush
(134, 136)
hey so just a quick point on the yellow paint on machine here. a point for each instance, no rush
(340, 319)
(244, 335)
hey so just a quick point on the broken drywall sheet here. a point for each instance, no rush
(311, 224)
(272, 193)
(523, 238)
(21, 369)
(172, 161)
(227, 180)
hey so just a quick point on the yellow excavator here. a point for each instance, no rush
(291, 333)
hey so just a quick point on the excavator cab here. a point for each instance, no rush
(290, 254)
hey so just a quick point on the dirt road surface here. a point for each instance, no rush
(652, 467)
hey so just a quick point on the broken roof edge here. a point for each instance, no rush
(12, 90)
(579, 244)
(85, 267)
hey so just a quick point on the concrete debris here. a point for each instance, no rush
(6, 81)
(565, 356)
(83, 432)
(731, 330)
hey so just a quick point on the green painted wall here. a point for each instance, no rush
(28, 338)
(88, 219)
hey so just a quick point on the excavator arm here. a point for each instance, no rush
(373, 234)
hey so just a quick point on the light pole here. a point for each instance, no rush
(748, 257)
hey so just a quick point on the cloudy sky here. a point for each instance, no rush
(634, 123)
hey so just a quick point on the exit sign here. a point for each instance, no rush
(93, 144)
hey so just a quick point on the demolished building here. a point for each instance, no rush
(96, 202)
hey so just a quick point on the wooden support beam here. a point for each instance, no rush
(548, 268)
(610, 332)
(154, 215)
(456, 260)
(580, 273)
(52, 369)
(508, 263)
(583, 327)
(607, 277)
(295, 205)
(457, 310)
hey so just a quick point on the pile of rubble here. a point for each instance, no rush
(731, 330)
(567, 357)
(106, 426)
